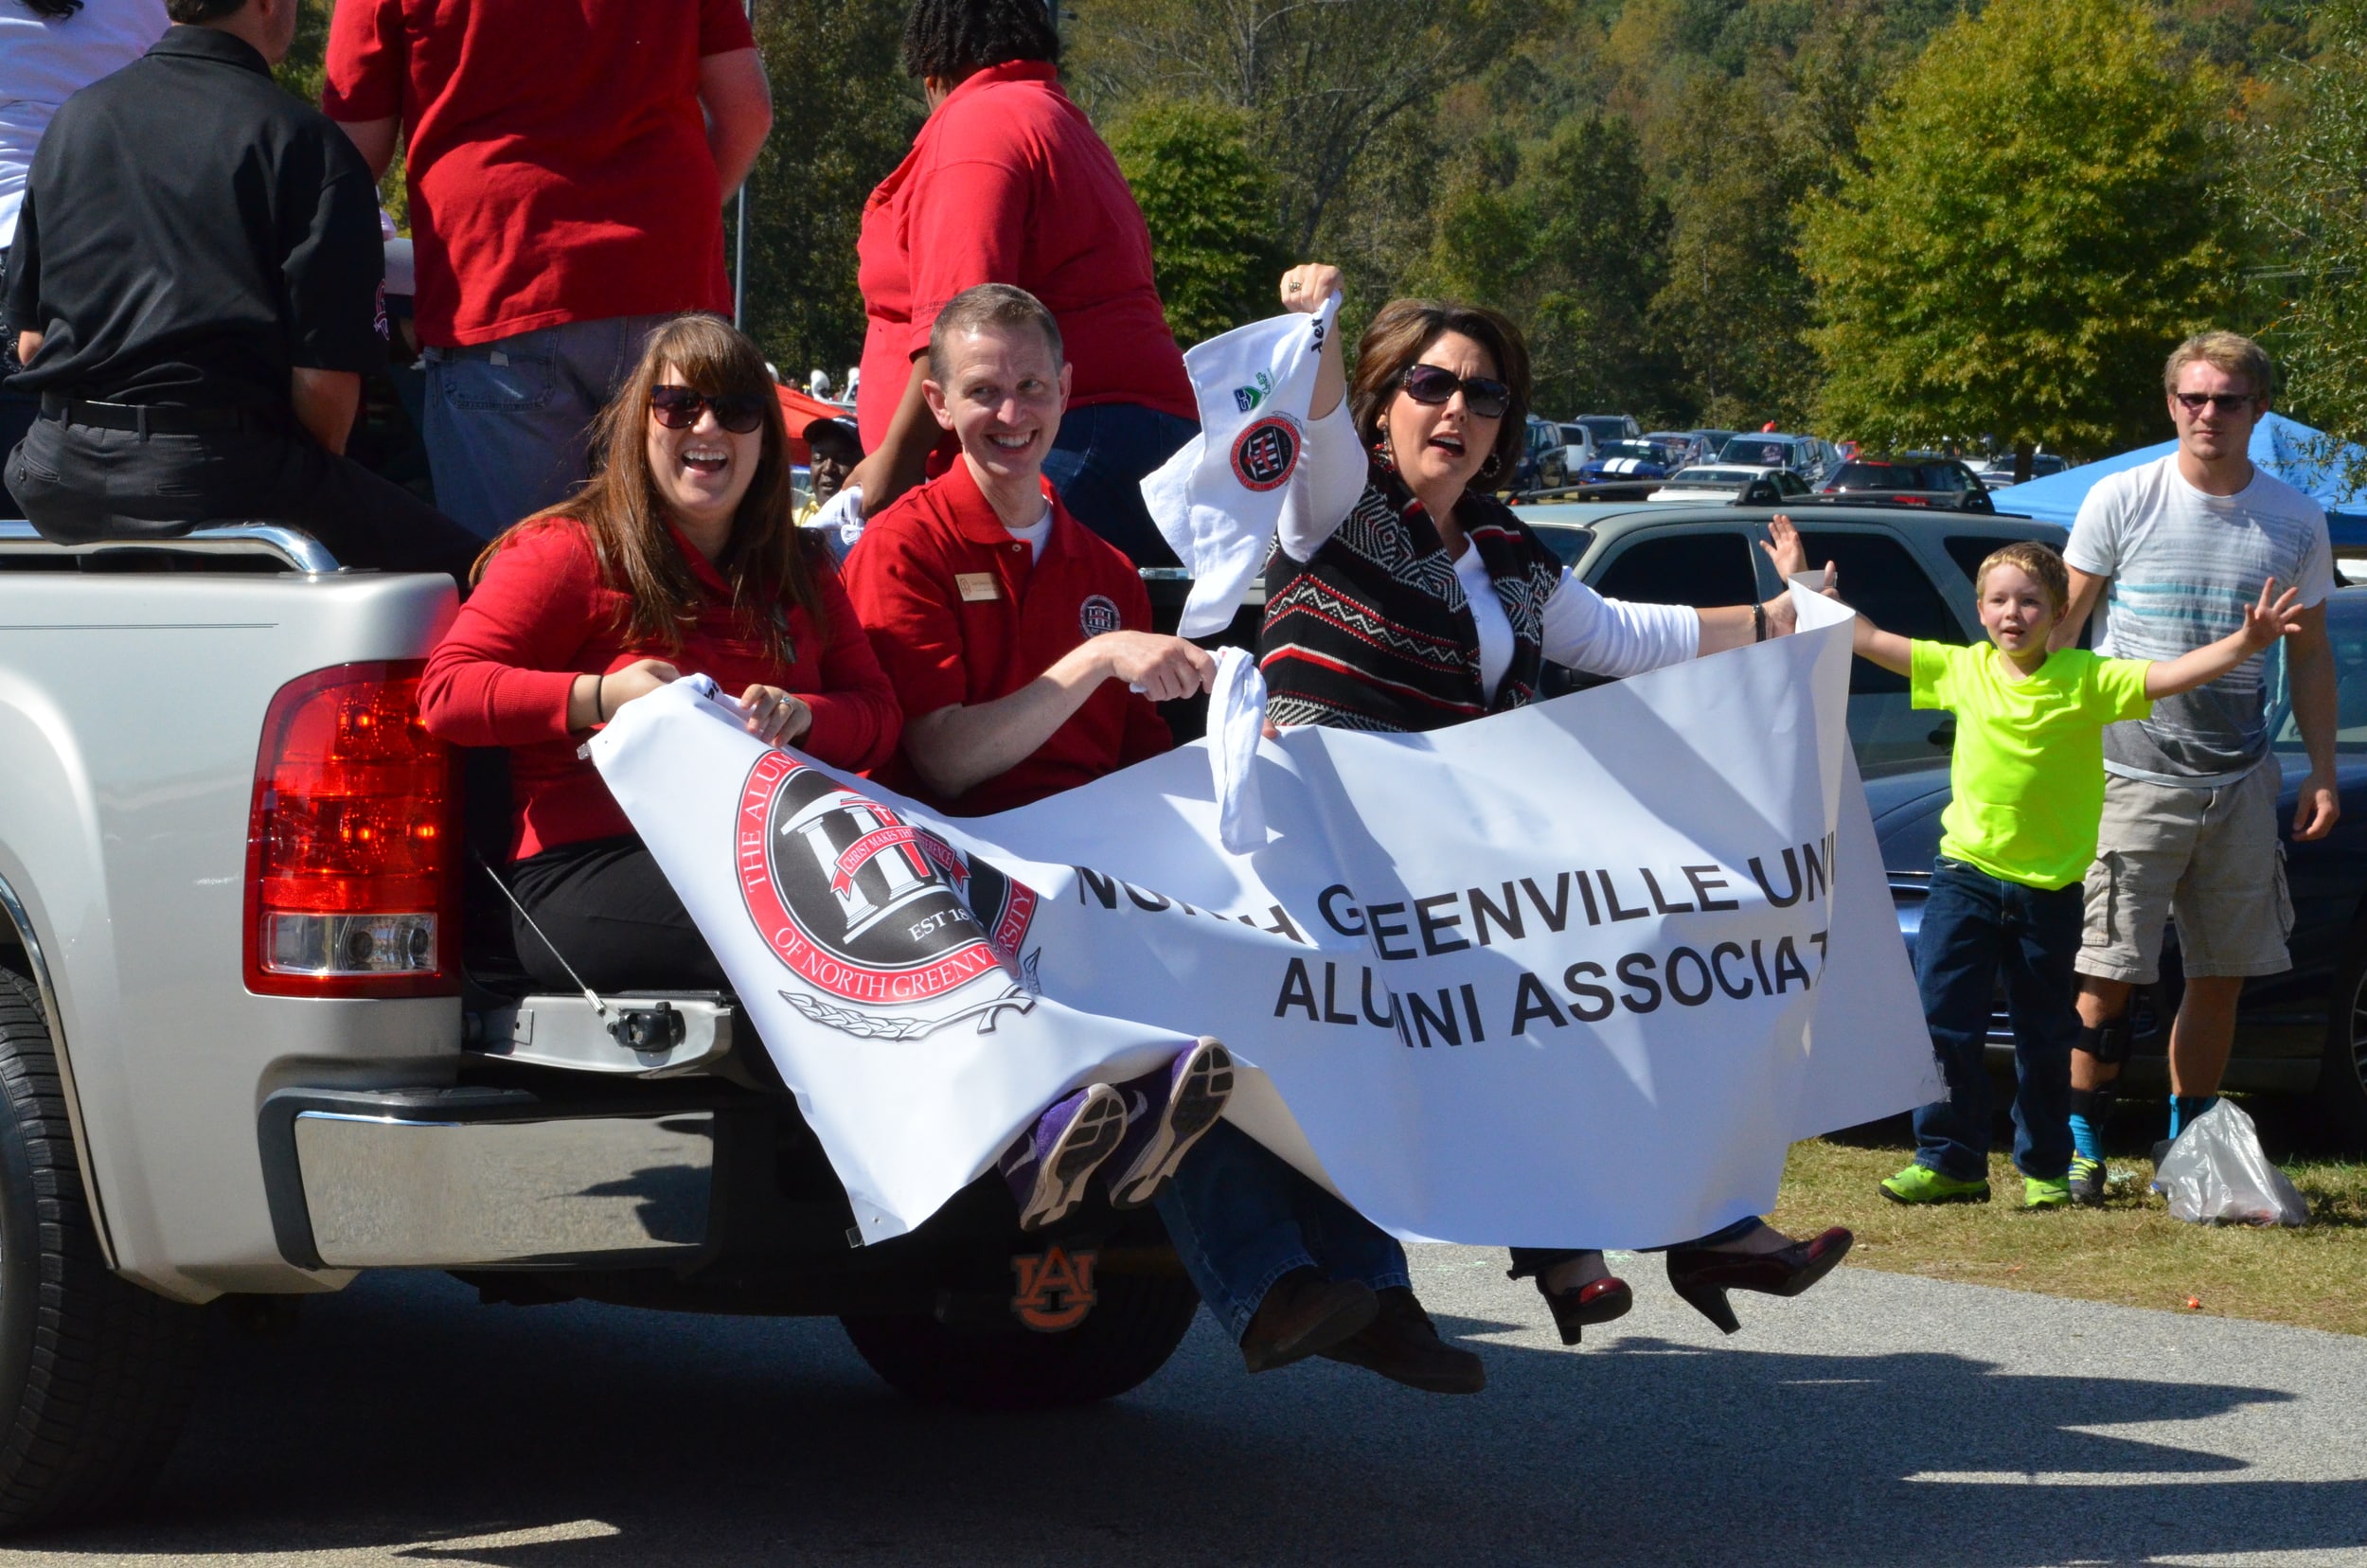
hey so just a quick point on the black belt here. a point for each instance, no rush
(165, 420)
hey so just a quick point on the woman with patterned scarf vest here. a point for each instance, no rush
(1399, 598)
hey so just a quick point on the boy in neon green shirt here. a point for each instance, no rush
(2019, 830)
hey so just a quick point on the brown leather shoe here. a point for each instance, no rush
(1305, 1314)
(1404, 1346)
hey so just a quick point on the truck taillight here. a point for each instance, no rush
(351, 882)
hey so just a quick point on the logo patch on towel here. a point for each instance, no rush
(1266, 453)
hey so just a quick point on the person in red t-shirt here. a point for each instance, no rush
(678, 559)
(1008, 183)
(1011, 636)
(567, 162)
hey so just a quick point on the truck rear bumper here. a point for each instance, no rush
(483, 1178)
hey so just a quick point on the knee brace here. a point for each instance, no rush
(2106, 1043)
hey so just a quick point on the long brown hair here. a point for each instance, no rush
(763, 558)
(1394, 343)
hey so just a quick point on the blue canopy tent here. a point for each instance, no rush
(2285, 447)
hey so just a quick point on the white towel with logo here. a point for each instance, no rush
(1219, 500)
(1236, 721)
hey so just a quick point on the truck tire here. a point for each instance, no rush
(96, 1373)
(1132, 1330)
(2341, 1096)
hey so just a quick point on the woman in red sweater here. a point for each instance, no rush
(678, 557)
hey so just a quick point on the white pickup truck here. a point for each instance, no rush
(254, 1038)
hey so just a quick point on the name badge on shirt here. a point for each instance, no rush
(976, 586)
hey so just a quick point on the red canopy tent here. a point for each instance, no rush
(801, 409)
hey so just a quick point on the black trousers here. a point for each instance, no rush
(80, 484)
(614, 917)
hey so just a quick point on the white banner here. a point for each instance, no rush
(1218, 499)
(1574, 975)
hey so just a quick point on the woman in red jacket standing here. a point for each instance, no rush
(1008, 183)
(678, 557)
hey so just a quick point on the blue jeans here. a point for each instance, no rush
(1976, 928)
(509, 422)
(1099, 462)
(1241, 1218)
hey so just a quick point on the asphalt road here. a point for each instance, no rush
(1879, 1420)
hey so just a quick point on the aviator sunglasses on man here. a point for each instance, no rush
(1430, 385)
(2224, 402)
(679, 407)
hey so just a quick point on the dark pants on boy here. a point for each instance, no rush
(1977, 928)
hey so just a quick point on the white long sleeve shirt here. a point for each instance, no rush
(1581, 628)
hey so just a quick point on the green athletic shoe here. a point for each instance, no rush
(1920, 1184)
(2088, 1182)
(2046, 1192)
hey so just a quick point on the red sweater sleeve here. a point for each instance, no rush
(502, 674)
(856, 722)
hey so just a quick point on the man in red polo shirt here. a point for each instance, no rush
(567, 162)
(1012, 636)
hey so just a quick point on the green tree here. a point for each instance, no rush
(1209, 210)
(843, 116)
(1569, 247)
(2308, 196)
(1320, 80)
(2042, 212)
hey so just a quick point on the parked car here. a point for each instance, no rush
(1719, 481)
(2304, 1033)
(1683, 445)
(1542, 464)
(1635, 459)
(1577, 446)
(1808, 457)
(1916, 479)
(1999, 472)
(1609, 427)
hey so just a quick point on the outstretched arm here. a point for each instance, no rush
(2264, 623)
(1887, 648)
(1731, 626)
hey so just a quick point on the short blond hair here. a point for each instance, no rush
(2037, 559)
(2229, 351)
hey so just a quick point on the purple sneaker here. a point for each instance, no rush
(1166, 1112)
(1048, 1167)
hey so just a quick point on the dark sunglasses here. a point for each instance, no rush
(1427, 383)
(678, 408)
(2226, 402)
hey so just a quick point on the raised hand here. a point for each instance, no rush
(1305, 287)
(2265, 622)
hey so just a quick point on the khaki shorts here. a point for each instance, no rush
(2209, 859)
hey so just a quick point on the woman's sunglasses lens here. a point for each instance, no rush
(1427, 383)
(737, 412)
(1486, 399)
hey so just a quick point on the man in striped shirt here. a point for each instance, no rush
(2178, 547)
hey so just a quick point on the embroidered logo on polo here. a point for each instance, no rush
(1266, 452)
(1096, 615)
(875, 911)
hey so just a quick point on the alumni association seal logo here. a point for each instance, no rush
(1266, 452)
(871, 910)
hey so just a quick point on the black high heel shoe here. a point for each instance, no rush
(1702, 1275)
(1597, 1301)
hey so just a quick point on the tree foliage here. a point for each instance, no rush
(1565, 238)
(2309, 194)
(1207, 202)
(843, 116)
(1319, 80)
(2042, 213)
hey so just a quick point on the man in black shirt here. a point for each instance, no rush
(196, 280)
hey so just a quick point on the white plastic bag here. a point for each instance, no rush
(2215, 1172)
